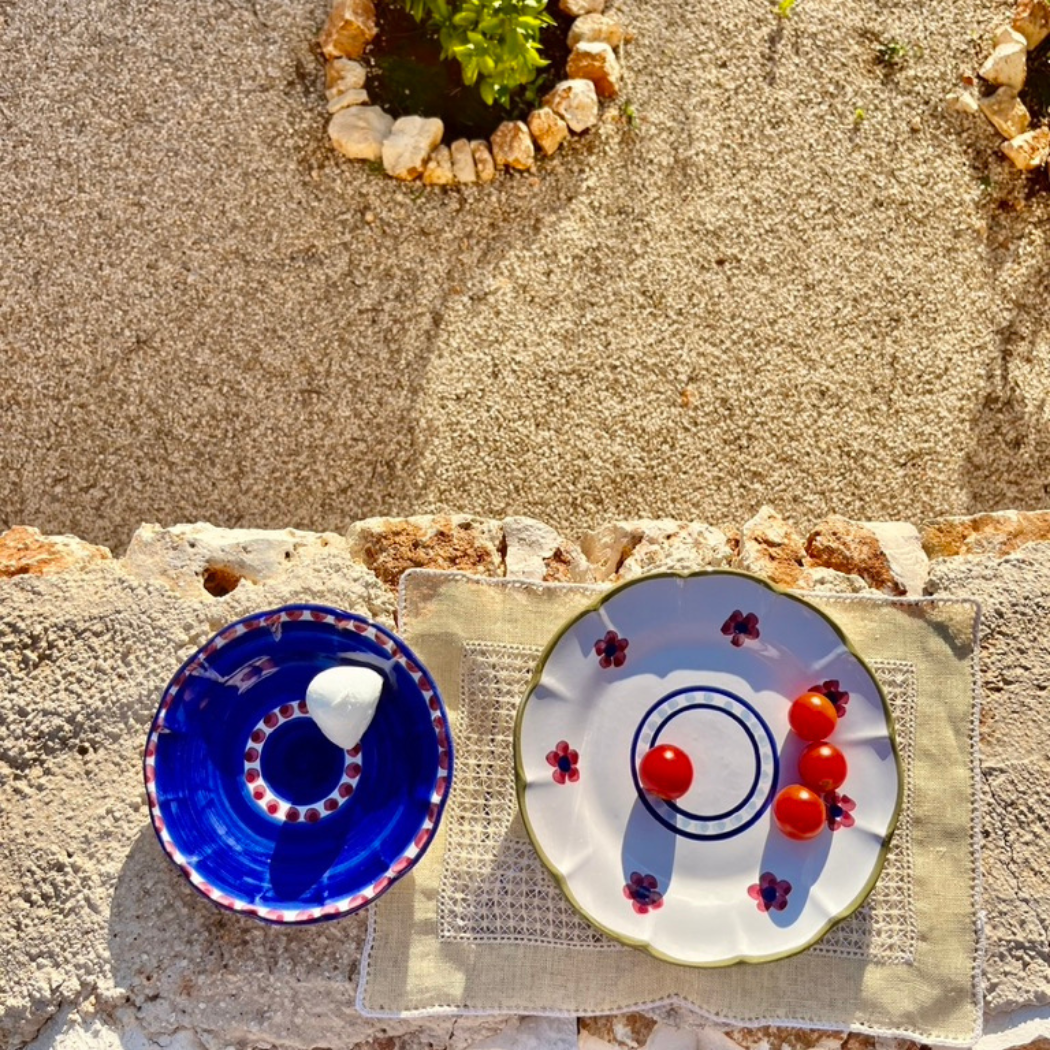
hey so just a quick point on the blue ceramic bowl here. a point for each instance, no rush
(261, 812)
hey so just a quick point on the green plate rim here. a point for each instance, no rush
(520, 783)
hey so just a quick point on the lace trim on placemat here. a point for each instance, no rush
(495, 889)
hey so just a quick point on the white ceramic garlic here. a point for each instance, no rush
(342, 701)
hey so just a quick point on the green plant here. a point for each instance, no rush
(859, 116)
(496, 42)
(892, 53)
(784, 8)
(630, 114)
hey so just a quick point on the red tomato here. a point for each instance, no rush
(822, 767)
(813, 716)
(665, 771)
(799, 813)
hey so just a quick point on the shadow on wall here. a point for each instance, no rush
(197, 964)
(1008, 465)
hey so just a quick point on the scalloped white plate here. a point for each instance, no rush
(711, 663)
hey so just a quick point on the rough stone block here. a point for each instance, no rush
(349, 30)
(390, 546)
(26, 551)
(996, 534)
(534, 551)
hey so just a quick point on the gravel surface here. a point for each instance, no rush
(206, 313)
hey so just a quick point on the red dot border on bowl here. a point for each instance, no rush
(197, 665)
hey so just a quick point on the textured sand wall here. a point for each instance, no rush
(206, 313)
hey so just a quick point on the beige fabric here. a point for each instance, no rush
(410, 968)
(494, 887)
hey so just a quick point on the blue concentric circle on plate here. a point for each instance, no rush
(763, 752)
(263, 814)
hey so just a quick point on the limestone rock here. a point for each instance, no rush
(831, 581)
(342, 74)
(576, 102)
(1007, 65)
(531, 1033)
(669, 1037)
(887, 555)
(534, 551)
(548, 129)
(350, 28)
(512, 146)
(619, 1030)
(27, 552)
(1032, 21)
(360, 131)
(438, 171)
(597, 63)
(1007, 112)
(350, 97)
(624, 550)
(484, 165)
(576, 8)
(408, 145)
(1030, 150)
(595, 29)
(463, 167)
(1008, 35)
(772, 549)
(202, 560)
(990, 535)
(962, 102)
(390, 546)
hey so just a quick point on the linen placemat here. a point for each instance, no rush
(480, 926)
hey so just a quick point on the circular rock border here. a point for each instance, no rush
(1006, 70)
(410, 147)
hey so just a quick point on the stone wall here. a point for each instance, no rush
(102, 943)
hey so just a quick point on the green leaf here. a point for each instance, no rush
(488, 95)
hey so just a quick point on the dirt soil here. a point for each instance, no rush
(799, 280)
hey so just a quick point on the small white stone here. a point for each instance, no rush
(360, 131)
(1030, 150)
(548, 129)
(343, 701)
(463, 167)
(1008, 35)
(576, 102)
(1007, 112)
(595, 29)
(438, 171)
(596, 62)
(410, 142)
(351, 97)
(483, 162)
(1007, 65)
(512, 146)
(962, 102)
(576, 8)
(1032, 21)
(342, 74)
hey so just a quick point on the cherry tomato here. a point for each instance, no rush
(666, 772)
(813, 716)
(822, 767)
(799, 812)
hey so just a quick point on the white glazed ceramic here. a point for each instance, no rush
(711, 663)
